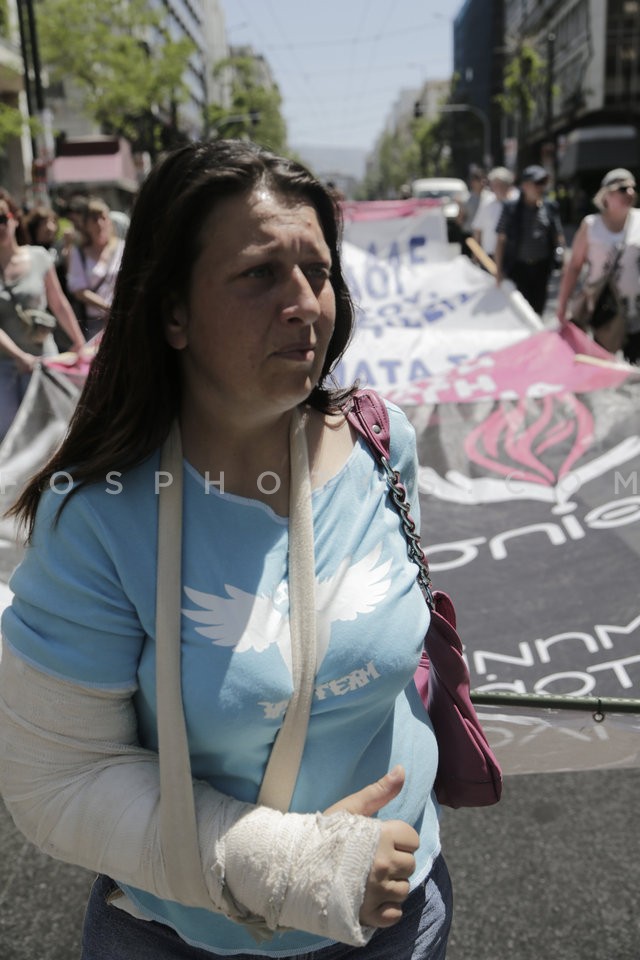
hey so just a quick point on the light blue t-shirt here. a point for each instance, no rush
(84, 610)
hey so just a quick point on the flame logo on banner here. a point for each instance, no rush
(529, 450)
(529, 442)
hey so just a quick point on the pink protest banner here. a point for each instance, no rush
(386, 209)
(542, 364)
(528, 477)
(75, 369)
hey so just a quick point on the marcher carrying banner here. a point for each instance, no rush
(517, 301)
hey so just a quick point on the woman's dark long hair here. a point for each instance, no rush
(132, 392)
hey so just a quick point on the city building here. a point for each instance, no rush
(81, 158)
(15, 153)
(262, 73)
(412, 103)
(434, 94)
(478, 65)
(201, 22)
(588, 108)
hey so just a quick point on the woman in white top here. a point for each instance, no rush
(94, 265)
(28, 281)
(606, 239)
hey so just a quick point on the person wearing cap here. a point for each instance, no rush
(486, 219)
(605, 243)
(529, 233)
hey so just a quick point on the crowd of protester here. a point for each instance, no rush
(57, 277)
(520, 230)
(516, 223)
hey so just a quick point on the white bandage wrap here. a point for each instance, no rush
(80, 788)
(317, 881)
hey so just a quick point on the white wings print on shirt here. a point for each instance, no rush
(249, 622)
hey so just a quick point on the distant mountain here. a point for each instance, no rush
(332, 162)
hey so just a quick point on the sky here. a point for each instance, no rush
(341, 64)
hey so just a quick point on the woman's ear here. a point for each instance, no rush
(175, 328)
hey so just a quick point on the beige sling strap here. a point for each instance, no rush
(178, 830)
(284, 761)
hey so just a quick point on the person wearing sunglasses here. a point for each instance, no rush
(607, 245)
(28, 282)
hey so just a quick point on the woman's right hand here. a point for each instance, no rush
(561, 314)
(388, 882)
(25, 362)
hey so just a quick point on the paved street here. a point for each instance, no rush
(551, 873)
(41, 901)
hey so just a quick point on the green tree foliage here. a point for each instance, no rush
(256, 107)
(525, 79)
(420, 150)
(117, 53)
(12, 124)
(433, 148)
(396, 163)
(525, 86)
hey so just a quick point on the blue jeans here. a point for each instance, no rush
(111, 934)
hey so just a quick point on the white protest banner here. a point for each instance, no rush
(39, 426)
(416, 319)
(418, 239)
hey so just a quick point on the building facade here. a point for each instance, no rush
(80, 156)
(431, 97)
(478, 63)
(16, 153)
(200, 21)
(588, 111)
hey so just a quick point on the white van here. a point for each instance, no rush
(450, 190)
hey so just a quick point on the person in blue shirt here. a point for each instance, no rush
(229, 314)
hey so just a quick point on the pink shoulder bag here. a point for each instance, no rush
(468, 773)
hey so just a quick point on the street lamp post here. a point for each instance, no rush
(42, 145)
(551, 39)
(469, 108)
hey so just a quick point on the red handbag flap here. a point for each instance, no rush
(468, 772)
(444, 607)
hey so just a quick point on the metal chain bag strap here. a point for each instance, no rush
(468, 773)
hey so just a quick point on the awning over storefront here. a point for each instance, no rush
(95, 160)
(599, 148)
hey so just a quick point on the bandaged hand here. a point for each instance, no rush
(388, 883)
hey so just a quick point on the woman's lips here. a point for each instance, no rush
(297, 351)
